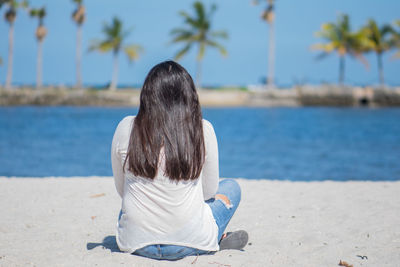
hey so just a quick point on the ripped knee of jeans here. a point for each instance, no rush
(225, 200)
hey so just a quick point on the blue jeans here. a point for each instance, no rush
(222, 213)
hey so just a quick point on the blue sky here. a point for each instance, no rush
(152, 20)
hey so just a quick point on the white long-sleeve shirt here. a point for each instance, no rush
(161, 211)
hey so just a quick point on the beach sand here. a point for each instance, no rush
(71, 222)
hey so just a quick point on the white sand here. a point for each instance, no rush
(56, 222)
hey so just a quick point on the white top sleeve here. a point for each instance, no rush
(118, 153)
(211, 167)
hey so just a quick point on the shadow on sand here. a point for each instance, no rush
(109, 242)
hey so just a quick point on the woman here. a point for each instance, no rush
(165, 165)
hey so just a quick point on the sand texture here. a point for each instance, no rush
(71, 222)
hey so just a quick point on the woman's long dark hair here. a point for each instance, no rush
(170, 117)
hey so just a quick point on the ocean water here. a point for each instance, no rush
(305, 144)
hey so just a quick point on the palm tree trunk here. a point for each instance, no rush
(198, 73)
(380, 69)
(271, 56)
(39, 65)
(78, 57)
(341, 69)
(114, 79)
(10, 55)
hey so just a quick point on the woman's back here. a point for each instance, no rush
(165, 165)
(162, 210)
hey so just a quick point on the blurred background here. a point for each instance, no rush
(296, 24)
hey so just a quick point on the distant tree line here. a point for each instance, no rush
(197, 32)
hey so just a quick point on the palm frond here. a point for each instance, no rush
(183, 51)
(189, 20)
(374, 38)
(220, 48)
(133, 51)
(13, 4)
(326, 48)
(101, 46)
(114, 29)
(33, 12)
(179, 31)
(200, 12)
(38, 12)
(373, 30)
(387, 29)
(185, 37)
(344, 23)
(328, 32)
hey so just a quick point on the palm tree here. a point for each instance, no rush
(396, 38)
(41, 32)
(268, 16)
(343, 41)
(198, 32)
(79, 17)
(114, 41)
(378, 40)
(10, 16)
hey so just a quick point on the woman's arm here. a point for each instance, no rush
(211, 167)
(117, 169)
(119, 143)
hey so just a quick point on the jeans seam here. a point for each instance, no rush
(159, 251)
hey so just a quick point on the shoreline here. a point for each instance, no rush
(63, 221)
(291, 97)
